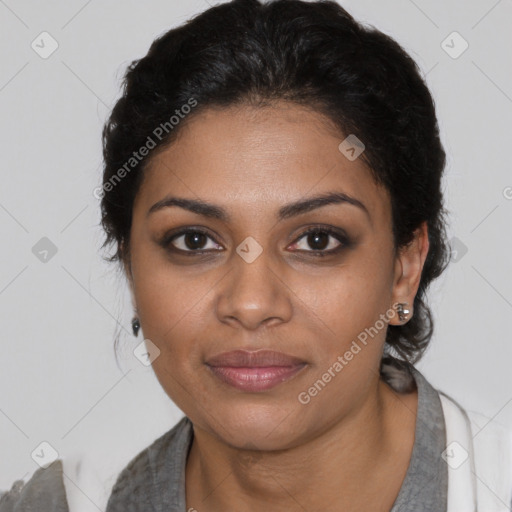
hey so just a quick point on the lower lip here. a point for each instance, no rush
(255, 379)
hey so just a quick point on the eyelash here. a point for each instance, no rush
(340, 236)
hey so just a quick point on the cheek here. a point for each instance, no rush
(162, 290)
(174, 317)
(171, 306)
(346, 300)
(349, 312)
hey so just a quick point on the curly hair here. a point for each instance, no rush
(314, 54)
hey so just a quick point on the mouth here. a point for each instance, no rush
(254, 371)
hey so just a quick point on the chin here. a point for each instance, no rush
(265, 427)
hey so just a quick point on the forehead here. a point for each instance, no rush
(256, 159)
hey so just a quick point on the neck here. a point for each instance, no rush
(346, 466)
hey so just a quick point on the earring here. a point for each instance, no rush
(402, 312)
(135, 326)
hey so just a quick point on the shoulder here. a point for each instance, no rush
(155, 454)
(142, 477)
(481, 446)
(484, 429)
(492, 443)
(44, 491)
(81, 482)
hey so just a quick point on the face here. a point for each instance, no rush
(245, 274)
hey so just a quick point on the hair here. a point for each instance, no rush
(316, 55)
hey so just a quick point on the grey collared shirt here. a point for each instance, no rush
(154, 480)
(425, 486)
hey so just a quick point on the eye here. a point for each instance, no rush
(322, 240)
(189, 241)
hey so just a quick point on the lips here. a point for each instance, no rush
(254, 371)
(255, 359)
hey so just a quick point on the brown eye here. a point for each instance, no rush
(190, 241)
(318, 240)
(194, 240)
(322, 241)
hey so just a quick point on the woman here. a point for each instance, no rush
(272, 185)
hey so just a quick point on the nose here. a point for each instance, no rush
(254, 293)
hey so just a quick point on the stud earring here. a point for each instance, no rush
(135, 326)
(402, 312)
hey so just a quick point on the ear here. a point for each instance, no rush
(408, 268)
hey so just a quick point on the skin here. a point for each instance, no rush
(350, 446)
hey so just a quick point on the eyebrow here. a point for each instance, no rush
(209, 210)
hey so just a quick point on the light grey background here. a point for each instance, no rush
(59, 382)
